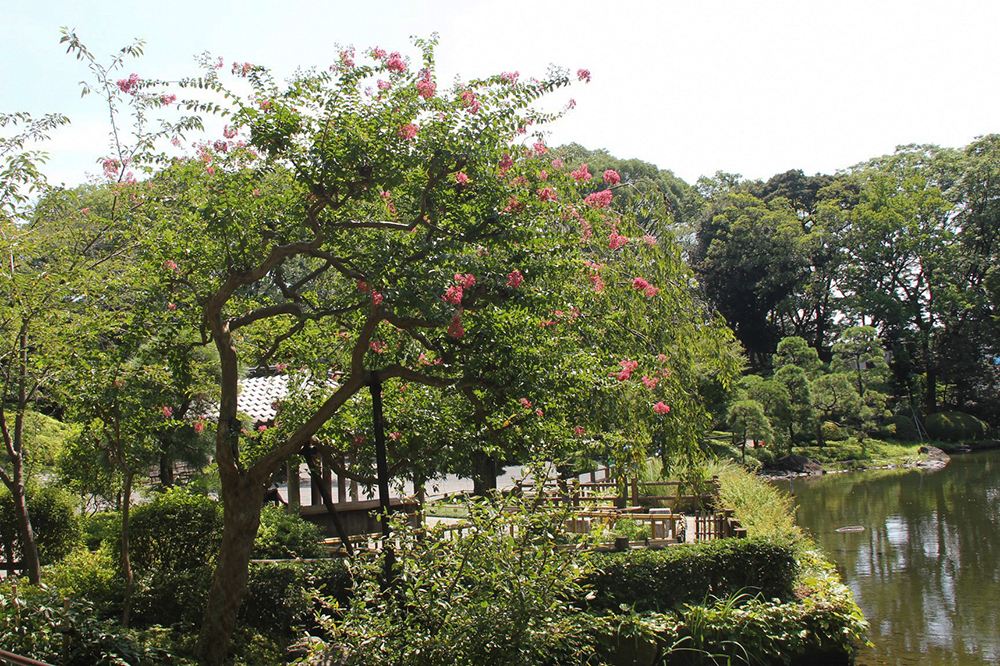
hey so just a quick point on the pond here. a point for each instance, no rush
(925, 568)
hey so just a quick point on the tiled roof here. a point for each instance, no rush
(258, 395)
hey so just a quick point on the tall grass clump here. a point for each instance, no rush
(761, 508)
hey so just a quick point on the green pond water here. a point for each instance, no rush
(926, 567)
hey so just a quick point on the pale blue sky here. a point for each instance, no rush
(749, 87)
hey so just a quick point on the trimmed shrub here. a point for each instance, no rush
(53, 520)
(899, 427)
(176, 531)
(285, 535)
(660, 580)
(956, 427)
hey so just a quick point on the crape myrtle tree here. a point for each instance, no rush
(367, 229)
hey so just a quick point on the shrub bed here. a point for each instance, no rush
(660, 580)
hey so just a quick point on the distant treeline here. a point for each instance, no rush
(907, 243)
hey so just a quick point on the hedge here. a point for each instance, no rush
(660, 580)
(956, 427)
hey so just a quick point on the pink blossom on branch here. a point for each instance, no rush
(525, 403)
(611, 177)
(395, 63)
(650, 382)
(471, 101)
(661, 408)
(615, 239)
(579, 432)
(455, 329)
(651, 291)
(600, 199)
(581, 174)
(425, 87)
(650, 240)
(199, 427)
(515, 279)
(546, 194)
(627, 367)
(466, 280)
(461, 178)
(377, 346)
(453, 295)
(510, 77)
(129, 85)
(408, 131)
(583, 75)
(639, 284)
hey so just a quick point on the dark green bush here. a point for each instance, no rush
(171, 597)
(660, 580)
(176, 531)
(956, 427)
(285, 535)
(899, 427)
(276, 599)
(54, 522)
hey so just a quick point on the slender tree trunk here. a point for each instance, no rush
(243, 499)
(30, 564)
(127, 477)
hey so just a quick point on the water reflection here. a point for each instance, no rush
(926, 569)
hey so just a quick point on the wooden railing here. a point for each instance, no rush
(11, 659)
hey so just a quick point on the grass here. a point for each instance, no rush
(867, 453)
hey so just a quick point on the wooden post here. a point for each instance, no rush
(316, 482)
(342, 482)
(294, 488)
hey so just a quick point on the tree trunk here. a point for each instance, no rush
(166, 470)
(127, 477)
(484, 473)
(30, 564)
(243, 499)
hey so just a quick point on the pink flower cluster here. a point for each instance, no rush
(377, 346)
(615, 239)
(461, 178)
(506, 162)
(583, 75)
(525, 403)
(547, 194)
(579, 432)
(241, 69)
(166, 99)
(408, 132)
(641, 285)
(661, 408)
(650, 240)
(510, 77)
(455, 329)
(627, 367)
(129, 86)
(425, 87)
(650, 382)
(471, 101)
(514, 206)
(229, 132)
(347, 58)
(112, 168)
(539, 148)
(595, 277)
(581, 174)
(557, 163)
(199, 427)
(600, 199)
(455, 293)
(611, 177)
(515, 279)
(395, 63)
